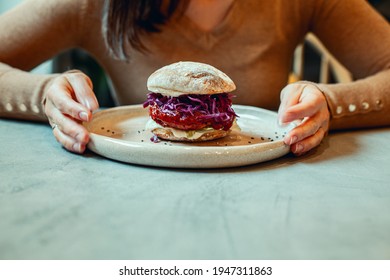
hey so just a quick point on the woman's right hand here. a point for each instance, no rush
(70, 100)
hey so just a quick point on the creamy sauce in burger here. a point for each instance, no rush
(190, 134)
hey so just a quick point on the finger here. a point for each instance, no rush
(70, 127)
(308, 105)
(308, 127)
(308, 143)
(290, 96)
(82, 88)
(68, 142)
(60, 97)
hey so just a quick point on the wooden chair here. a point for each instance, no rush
(329, 65)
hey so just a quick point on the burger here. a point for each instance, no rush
(190, 101)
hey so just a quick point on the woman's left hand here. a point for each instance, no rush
(306, 103)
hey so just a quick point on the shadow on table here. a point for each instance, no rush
(334, 146)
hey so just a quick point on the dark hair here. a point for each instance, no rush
(124, 21)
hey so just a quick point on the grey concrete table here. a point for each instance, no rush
(331, 204)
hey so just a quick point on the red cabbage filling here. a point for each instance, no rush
(192, 111)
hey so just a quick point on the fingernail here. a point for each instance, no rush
(80, 137)
(298, 148)
(281, 124)
(87, 104)
(77, 147)
(82, 148)
(293, 139)
(83, 116)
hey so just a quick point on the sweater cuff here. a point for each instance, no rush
(23, 94)
(351, 103)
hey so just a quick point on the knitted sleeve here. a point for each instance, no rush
(32, 33)
(360, 38)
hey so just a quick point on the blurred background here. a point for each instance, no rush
(78, 59)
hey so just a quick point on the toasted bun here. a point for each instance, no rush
(167, 134)
(187, 77)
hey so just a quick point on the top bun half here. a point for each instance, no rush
(187, 77)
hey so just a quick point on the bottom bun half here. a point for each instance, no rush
(168, 134)
(173, 134)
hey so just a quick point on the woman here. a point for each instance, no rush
(252, 41)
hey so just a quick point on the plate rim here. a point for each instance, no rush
(253, 151)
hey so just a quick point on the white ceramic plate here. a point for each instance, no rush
(119, 133)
